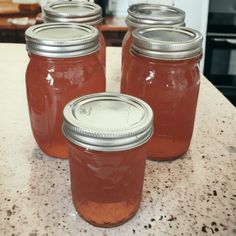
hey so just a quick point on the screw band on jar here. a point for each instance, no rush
(143, 15)
(68, 11)
(108, 122)
(167, 42)
(62, 40)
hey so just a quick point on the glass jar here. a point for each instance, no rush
(164, 72)
(77, 12)
(149, 15)
(107, 135)
(63, 65)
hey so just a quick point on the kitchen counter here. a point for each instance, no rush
(193, 195)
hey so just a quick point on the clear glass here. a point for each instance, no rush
(126, 43)
(51, 83)
(171, 88)
(106, 186)
(102, 50)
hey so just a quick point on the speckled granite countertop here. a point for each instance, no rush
(195, 195)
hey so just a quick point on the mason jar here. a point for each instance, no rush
(63, 65)
(164, 72)
(77, 12)
(149, 15)
(107, 135)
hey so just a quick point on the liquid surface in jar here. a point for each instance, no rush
(171, 88)
(51, 83)
(107, 186)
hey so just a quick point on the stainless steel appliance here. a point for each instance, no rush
(220, 59)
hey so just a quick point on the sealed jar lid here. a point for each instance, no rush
(72, 11)
(108, 122)
(167, 42)
(61, 40)
(143, 15)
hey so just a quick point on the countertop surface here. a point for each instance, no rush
(193, 195)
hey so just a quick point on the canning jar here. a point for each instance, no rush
(77, 12)
(164, 72)
(107, 135)
(63, 65)
(149, 15)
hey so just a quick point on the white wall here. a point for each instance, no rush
(121, 7)
(196, 17)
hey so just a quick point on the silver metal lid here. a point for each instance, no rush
(167, 42)
(151, 15)
(72, 11)
(62, 40)
(108, 122)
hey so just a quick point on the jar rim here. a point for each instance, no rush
(167, 42)
(89, 122)
(62, 40)
(143, 15)
(72, 11)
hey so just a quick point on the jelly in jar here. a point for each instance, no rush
(63, 65)
(164, 72)
(107, 135)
